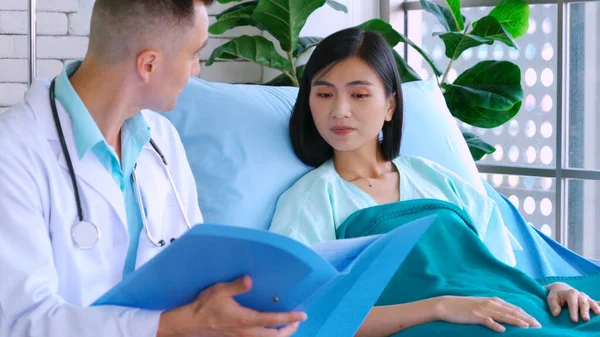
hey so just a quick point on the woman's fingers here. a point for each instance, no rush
(510, 319)
(506, 313)
(584, 306)
(554, 304)
(594, 306)
(490, 323)
(573, 303)
(513, 311)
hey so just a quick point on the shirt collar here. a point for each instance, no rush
(85, 130)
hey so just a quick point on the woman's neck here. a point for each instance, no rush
(362, 163)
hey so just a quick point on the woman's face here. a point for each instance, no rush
(349, 105)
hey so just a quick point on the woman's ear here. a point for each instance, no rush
(391, 108)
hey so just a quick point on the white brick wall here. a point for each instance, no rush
(79, 23)
(63, 27)
(232, 72)
(13, 70)
(63, 6)
(52, 24)
(49, 68)
(11, 93)
(216, 8)
(16, 70)
(61, 47)
(55, 42)
(16, 22)
(13, 22)
(13, 46)
(13, 5)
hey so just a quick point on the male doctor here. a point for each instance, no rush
(85, 193)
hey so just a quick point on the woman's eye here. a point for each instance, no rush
(324, 95)
(360, 96)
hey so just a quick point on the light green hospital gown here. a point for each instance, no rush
(313, 208)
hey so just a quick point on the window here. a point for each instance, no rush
(548, 157)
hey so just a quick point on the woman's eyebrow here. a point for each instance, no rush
(349, 84)
(322, 83)
(359, 82)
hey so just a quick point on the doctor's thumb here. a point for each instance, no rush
(239, 286)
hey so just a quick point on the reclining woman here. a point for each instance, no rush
(347, 122)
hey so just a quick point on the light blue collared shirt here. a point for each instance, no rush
(135, 133)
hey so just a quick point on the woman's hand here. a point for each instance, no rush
(562, 294)
(489, 312)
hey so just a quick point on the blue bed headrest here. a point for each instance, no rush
(236, 140)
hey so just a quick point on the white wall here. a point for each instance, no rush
(63, 27)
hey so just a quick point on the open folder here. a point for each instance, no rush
(336, 283)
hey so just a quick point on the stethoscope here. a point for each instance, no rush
(85, 234)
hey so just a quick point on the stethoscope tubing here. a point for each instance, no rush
(73, 178)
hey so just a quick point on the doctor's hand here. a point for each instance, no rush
(489, 312)
(216, 313)
(562, 294)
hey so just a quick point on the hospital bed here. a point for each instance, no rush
(236, 140)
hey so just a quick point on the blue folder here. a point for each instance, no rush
(335, 283)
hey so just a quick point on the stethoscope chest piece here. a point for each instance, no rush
(85, 234)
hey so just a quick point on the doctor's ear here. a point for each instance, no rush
(146, 63)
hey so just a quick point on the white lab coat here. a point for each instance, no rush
(46, 282)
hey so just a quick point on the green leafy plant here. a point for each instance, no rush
(283, 20)
(486, 95)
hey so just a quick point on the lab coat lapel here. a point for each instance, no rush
(154, 187)
(91, 172)
(88, 170)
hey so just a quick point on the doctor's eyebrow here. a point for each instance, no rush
(201, 47)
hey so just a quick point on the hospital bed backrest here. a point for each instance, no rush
(236, 140)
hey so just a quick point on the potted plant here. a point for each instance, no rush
(486, 95)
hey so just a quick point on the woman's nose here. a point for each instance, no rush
(340, 109)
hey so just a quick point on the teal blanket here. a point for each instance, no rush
(450, 259)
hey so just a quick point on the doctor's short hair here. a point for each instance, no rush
(373, 49)
(117, 25)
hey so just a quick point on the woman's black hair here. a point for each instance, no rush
(373, 49)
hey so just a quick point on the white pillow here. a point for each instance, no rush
(430, 131)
